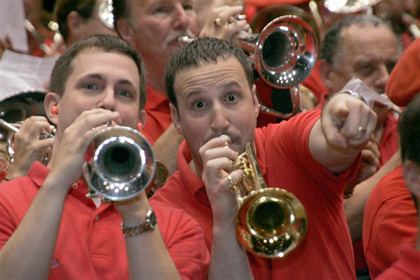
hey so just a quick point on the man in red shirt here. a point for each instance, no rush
(214, 106)
(49, 228)
(390, 213)
(153, 27)
(364, 47)
(392, 218)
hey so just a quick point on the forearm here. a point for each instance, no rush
(228, 259)
(354, 206)
(148, 257)
(29, 251)
(166, 148)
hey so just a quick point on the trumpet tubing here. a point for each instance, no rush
(270, 222)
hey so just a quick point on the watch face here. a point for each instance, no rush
(151, 217)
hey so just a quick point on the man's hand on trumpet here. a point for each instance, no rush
(219, 176)
(226, 23)
(28, 146)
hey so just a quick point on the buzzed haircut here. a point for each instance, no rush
(203, 50)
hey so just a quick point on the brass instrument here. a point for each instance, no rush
(119, 164)
(13, 128)
(270, 222)
(105, 13)
(348, 6)
(284, 52)
(14, 109)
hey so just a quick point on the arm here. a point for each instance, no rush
(36, 235)
(166, 148)
(354, 206)
(228, 258)
(148, 257)
(335, 140)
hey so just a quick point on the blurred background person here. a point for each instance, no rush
(390, 213)
(79, 19)
(365, 47)
(403, 16)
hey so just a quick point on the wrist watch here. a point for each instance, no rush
(148, 225)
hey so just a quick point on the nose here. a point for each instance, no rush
(181, 18)
(107, 100)
(382, 78)
(220, 119)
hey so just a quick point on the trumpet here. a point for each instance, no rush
(283, 54)
(270, 222)
(13, 128)
(119, 164)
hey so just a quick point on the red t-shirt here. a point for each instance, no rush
(286, 162)
(158, 114)
(90, 243)
(390, 220)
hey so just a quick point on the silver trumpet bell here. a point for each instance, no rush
(119, 164)
(285, 51)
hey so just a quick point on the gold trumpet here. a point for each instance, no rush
(119, 164)
(270, 222)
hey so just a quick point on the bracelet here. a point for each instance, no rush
(355, 94)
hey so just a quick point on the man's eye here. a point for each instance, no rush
(198, 104)
(90, 86)
(365, 70)
(124, 93)
(231, 97)
(187, 7)
(159, 10)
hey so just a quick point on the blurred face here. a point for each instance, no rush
(368, 53)
(94, 83)
(156, 25)
(215, 99)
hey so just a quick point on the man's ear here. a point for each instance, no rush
(326, 69)
(256, 101)
(75, 25)
(51, 106)
(411, 172)
(125, 31)
(142, 117)
(175, 118)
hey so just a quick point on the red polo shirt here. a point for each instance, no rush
(90, 242)
(390, 220)
(286, 162)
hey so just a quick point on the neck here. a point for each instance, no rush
(155, 75)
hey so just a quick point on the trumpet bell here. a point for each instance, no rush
(119, 163)
(286, 51)
(271, 223)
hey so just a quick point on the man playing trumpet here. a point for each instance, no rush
(49, 228)
(313, 155)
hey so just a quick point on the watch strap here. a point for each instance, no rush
(149, 224)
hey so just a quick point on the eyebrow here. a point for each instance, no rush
(103, 78)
